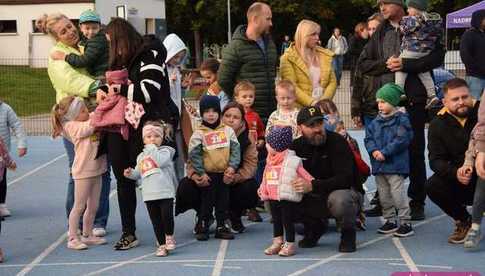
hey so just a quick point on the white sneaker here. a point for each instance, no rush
(4, 212)
(99, 232)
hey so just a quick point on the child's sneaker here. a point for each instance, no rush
(388, 227)
(275, 247)
(405, 230)
(99, 232)
(161, 251)
(4, 212)
(237, 226)
(76, 244)
(126, 242)
(287, 250)
(170, 243)
(223, 232)
(472, 239)
(93, 240)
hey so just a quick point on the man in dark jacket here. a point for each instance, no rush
(473, 55)
(448, 137)
(251, 55)
(380, 60)
(335, 191)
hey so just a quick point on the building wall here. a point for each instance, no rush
(15, 47)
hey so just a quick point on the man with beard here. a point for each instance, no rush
(448, 137)
(251, 55)
(380, 59)
(335, 191)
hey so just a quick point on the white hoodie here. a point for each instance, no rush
(174, 45)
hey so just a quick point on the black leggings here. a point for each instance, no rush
(3, 187)
(283, 216)
(161, 215)
(215, 195)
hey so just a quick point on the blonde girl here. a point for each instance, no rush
(70, 119)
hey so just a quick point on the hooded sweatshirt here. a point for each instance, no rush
(472, 45)
(8, 121)
(174, 45)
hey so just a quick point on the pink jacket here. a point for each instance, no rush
(86, 143)
(110, 115)
(281, 169)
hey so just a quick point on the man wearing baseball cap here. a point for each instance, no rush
(380, 59)
(335, 190)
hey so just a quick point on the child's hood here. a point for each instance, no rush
(174, 45)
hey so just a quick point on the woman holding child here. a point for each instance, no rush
(309, 66)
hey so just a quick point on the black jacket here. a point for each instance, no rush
(472, 47)
(332, 164)
(95, 56)
(448, 142)
(384, 43)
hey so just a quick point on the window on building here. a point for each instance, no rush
(8, 26)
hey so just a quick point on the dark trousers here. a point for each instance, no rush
(215, 195)
(283, 216)
(122, 154)
(241, 196)
(3, 187)
(479, 202)
(451, 196)
(417, 172)
(161, 215)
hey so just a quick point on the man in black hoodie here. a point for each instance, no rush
(473, 55)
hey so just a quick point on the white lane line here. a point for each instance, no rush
(209, 266)
(331, 258)
(35, 170)
(426, 266)
(405, 255)
(220, 258)
(42, 255)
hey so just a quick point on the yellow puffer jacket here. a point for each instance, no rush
(293, 68)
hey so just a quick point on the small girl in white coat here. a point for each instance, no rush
(155, 168)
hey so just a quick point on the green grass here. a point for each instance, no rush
(27, 90)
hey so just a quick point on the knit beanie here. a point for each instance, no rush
(280, 138)
(390, 93)
(421, 5)
(208, 101)
(397, 2)
(89, 16)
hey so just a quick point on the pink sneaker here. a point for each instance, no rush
(76, 244)
(161, 251)
(288, 249)
(275, 247)
(93, 240)
(170, 243)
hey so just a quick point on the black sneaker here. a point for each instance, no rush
(312, 233)
(347, 241)
(237, 225)
(417, 212)
(405, 230)
(201, 230)
(388, 227)
(376, 211)
(223, 232)
(126, 242)
(196, 220)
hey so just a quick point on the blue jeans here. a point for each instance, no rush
(476, 86)
(102, 214)
(338, 65)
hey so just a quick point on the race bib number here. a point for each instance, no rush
(273, 175)
(216, 140)
(148, 166)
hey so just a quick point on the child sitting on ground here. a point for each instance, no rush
(421, 33)
(155, 168)
(70, 118)
(387, 140)
(286, 112)
(214, 153)
(208, 70)
(282, 167)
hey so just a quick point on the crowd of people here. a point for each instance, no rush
(255, 141)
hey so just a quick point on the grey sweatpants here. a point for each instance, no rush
(478, 202)
(425, 77)
(392, 195)
(344, 205)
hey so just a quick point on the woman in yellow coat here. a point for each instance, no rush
(309, 66)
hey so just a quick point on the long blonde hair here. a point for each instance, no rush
(58, 111)
(303, 31)
(45, 23)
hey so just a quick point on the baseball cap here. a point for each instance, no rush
(309, 115)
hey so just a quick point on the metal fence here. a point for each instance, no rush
(28, 90)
